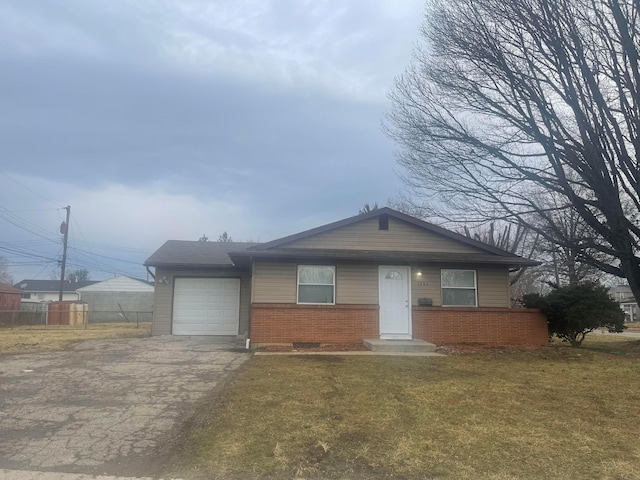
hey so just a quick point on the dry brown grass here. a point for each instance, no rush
(33, 339)
(556, 412)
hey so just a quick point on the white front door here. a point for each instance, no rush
(395, 304)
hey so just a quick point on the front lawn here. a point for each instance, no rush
(42, 338)
(556, 412)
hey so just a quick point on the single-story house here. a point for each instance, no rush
(49, 290)
(623, 295)
(118, 299)
(382, 274)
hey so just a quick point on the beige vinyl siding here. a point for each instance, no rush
(426, 285)
(274, 282)
(163, 304)
(277, 283)
(493, 287)
(357, 284)
(401, 236)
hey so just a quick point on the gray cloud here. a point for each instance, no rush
(273, 108)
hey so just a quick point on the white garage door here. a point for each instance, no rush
(206, 306)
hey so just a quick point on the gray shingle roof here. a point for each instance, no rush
(239, 254)
(195, 254)
(50, 285)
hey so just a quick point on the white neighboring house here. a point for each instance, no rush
(622, 294)
(118, 299)
(43, 291)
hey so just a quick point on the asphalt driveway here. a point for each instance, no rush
(105, 406)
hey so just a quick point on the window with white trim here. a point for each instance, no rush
(316, 284)
(459, 288)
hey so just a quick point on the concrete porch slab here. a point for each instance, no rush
(405, 346)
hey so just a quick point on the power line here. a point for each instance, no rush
(23, 253)
(27, 188)
(25, 225)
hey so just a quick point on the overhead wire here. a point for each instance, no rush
(27, 188)
(79, 247)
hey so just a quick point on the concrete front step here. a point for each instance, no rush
(405, 346)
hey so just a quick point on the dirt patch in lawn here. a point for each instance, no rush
(34, 339)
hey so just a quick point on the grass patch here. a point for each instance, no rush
(616, 345)
(556, 412)
(34, 339)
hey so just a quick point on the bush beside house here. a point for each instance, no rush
(576, 310)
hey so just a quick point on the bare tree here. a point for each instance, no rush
(224, 237)
(510, 97)
(366, 208)
(5, 277)
(78, 275)
(515, 239)
(567, 243)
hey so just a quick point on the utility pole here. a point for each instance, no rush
(64, 229)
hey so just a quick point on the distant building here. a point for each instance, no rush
(42, 291)
(118, 299)
(622, 294)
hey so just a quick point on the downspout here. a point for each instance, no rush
(248, 342)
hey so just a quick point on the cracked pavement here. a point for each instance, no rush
(105, 406)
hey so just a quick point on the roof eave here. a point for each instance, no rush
(346, 256)
(199, 266)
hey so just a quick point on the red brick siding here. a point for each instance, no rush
(286, 323)
(496, 326)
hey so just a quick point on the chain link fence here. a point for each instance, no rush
(37, 314)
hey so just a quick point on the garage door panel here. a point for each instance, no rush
(206, 306)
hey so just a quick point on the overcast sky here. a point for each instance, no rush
(170, 119)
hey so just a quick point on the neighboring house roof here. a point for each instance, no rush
(4, 288)
(220, 254)
(50, 285)
(195, 254)
(118, 284)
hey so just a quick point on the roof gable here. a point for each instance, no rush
(361, 232)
